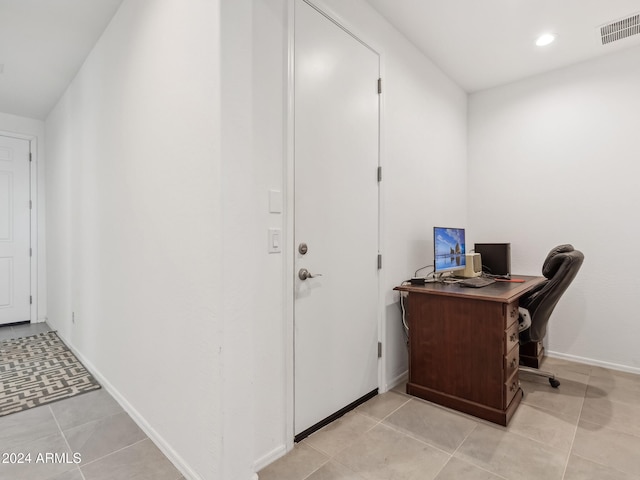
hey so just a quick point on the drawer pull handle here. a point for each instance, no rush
(513, 337)
(513, 363)
(514, 387)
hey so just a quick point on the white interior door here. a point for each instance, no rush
(15, 231)
(336, 217)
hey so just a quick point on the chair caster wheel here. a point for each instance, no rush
(554, 383)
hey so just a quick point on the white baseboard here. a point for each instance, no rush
(595, 363)
(269, 458)
(157, 439)
(394, 382)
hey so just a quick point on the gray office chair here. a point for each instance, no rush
(559, 268)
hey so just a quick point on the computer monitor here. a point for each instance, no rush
(496, 258)
(448, 249)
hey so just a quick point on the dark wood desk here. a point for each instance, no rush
(463, 346)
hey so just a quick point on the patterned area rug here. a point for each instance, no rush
(39, 369)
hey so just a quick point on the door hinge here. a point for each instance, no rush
(30, 252)
(30, 299)
(379, 349)
(379, 86)
(379, 261)
(30, 205)
(379, 174)
(30, 156)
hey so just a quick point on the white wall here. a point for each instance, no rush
(253, 73)
(33, 130)
(554, 159)
(134, 189)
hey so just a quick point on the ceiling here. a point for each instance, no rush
(478, 43)
(485, 43)
(43, 43)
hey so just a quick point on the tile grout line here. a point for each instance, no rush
(590, 460)
(606, 425)
(575, 433)
(464, 460)
(117, 451)
(418, 439)
(435, 405)
(64, 437)
(477, 422)
(603, 426)
(380, 420)
(320, 452)
(408, 434)
(331, 458)
(377, 422)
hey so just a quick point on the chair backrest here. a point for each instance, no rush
(559, 268)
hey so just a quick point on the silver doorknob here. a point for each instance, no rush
(303, 274)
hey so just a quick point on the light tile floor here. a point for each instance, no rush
(93, 425)
(587, 429)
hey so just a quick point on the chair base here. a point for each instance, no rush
(541, 373)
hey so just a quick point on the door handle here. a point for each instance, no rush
(303, 274)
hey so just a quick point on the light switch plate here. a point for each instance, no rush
(275, 201)
(275, 240)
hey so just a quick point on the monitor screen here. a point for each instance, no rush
(449, 249)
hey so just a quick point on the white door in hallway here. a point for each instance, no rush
(15, 231)
(336, 218)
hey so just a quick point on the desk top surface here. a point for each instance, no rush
(504, 292)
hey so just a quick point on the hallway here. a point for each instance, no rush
(86, 437)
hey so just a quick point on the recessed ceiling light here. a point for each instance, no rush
(545, 39)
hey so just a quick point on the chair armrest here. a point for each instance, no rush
(524, 319)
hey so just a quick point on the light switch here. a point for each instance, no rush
(275, 201)
(275, 240)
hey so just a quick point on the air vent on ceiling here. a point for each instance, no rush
(620, 29)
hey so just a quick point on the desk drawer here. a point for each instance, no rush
(511, 314)
(511, 337)
(511, 362)
(511, 387)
